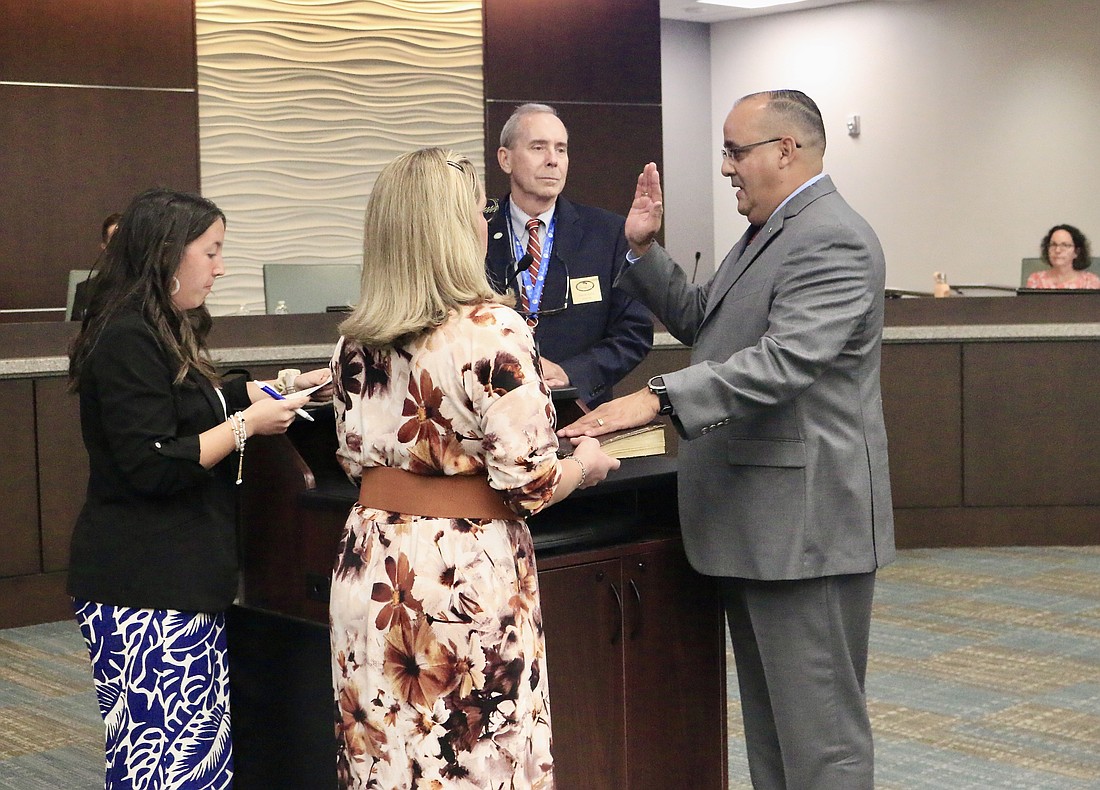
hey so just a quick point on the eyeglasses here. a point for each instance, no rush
(739, 152)
(1061, 245)
(555, 295)
(491, 208)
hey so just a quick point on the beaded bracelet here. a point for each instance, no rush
(240, 436)
(584, 470)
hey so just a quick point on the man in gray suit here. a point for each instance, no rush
(783, 481)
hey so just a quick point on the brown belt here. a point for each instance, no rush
(445, 496)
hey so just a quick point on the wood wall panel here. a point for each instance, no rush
(922, 405)
(1040, 308)
(604, 51)
(98, 42)
(91, 116)
(19, 537)
(62, 469)
(81, 154)
(598, 62)
(1031, 423)
(919, 528)
(29, 600)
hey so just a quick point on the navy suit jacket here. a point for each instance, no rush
(597, 343)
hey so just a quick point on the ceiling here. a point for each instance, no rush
(693, 11)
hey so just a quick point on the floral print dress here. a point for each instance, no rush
(438, 658)
(1045, 279)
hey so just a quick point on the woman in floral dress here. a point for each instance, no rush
(439, 666)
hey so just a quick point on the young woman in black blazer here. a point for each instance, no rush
(154, 562)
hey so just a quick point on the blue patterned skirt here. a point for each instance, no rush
(162, 682)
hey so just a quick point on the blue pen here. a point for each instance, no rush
(277, 396)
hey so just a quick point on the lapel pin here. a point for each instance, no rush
(498, 235)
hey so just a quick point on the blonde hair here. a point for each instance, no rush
(422, 256)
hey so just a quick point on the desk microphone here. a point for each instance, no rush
(522, 265)
(695, 271)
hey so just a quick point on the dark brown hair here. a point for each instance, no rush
(138, 269)
(1082, 260)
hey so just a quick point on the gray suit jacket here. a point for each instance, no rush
(785, 475)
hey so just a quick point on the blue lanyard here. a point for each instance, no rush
(534, 289)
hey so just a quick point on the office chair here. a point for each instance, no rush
(76, 277)
(1029, 266)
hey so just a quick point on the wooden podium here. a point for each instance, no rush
(635, 638)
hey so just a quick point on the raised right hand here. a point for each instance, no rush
(646, 212)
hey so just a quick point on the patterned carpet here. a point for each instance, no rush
(51, 735)
(985, 673)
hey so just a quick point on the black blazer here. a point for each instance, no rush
(597, 343)
(157, 530)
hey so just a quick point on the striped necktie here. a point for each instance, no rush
(534, 249)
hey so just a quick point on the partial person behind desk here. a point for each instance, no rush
(80, 295)
(590, 334)
(1066, 251)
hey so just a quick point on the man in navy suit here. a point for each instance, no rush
(604, 333)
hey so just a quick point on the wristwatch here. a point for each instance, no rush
(658, 388)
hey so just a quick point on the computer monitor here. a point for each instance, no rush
(310, 287)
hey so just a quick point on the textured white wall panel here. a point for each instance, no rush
(301, 103)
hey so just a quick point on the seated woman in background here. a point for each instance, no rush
(1066, 251)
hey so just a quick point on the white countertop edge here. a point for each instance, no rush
(261, 355)
(33, 366)
(958, 332)
(253, 355)
(322, 353)
(902, 334)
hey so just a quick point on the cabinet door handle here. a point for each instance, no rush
(637, 629)
(618, 620)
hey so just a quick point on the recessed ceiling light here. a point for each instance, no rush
(747, 3)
